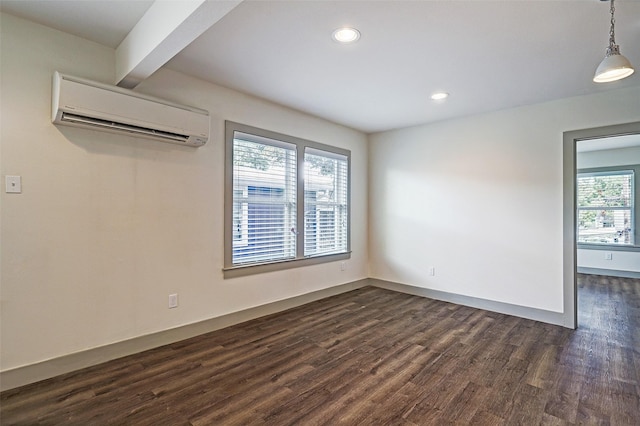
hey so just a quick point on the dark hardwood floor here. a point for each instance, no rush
(371, 357)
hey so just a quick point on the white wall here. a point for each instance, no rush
(608, 157)
(621, 260)
(480, 199)
(108, 226)
(625, 261)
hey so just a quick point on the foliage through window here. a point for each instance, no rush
(280, 209)
(606, 207)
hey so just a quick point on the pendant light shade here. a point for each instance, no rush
(614, 66)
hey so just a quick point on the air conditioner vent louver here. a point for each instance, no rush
(111, 125)
(84, 103)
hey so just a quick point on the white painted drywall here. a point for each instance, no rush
(108, 226)
(595, 259)
(480, 199)
(608, 158)
(626, 261)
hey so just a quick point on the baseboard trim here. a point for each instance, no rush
(556, 318)
(20, 376)
(609, 272)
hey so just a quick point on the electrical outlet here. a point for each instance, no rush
(343, 266)
(13, 184)
(173, 301)
(432, 271)
(608, 255)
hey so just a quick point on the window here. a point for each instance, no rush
(286, 202)
(606, 211)
(264, 201)
(325, 202)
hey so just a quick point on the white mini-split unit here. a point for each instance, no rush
(84, 103)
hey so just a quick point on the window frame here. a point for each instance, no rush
(231, 270)
(635, 217)
(336, 205)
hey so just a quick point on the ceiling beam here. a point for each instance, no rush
(164, 30)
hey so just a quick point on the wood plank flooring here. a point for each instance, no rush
(370, 357)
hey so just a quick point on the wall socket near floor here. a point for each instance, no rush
(608, 255)
(432, 271)
(13, 184)
(173, 300)
(343, 266)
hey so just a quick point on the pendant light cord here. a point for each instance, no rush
(613, 48)
(612, 33)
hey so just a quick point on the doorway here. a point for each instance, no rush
(571, 140)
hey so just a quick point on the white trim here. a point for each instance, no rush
(556, 318)
(26, 374)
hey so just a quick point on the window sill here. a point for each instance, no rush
(608, 247)
(259, 268)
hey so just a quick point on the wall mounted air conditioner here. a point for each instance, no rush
(84, 103)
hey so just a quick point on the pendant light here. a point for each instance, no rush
(614, 66)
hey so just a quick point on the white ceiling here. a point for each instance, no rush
(489, 55)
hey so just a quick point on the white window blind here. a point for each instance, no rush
(325, 202)
(606, 207)
(286, 201)
(264, 200)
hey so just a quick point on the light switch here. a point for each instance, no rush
(13, 184)
(173, 301)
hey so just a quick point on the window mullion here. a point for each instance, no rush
(300, 202)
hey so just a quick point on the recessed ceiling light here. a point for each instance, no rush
(346, 35)
(438, 96)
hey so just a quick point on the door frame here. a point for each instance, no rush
(569, 246)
